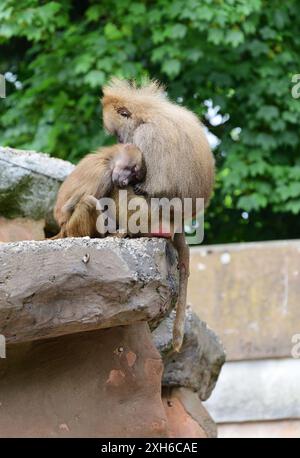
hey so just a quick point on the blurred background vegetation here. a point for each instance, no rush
(230, 61)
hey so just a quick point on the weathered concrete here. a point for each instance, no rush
(95, 384)
(29, 182)
(261, 430)
(249, 294)
(57, 287)
(187, 418)
(200, 360)
(256, 391)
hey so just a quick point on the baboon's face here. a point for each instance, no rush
(119, 120)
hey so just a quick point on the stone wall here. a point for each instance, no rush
(249, 293)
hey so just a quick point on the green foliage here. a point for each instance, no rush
(241, 54)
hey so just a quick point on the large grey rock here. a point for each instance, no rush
(56, 287)
(29, 182)
(200, 360)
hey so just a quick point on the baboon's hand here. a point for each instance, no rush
(138, 189)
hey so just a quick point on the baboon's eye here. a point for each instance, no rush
(124, 112)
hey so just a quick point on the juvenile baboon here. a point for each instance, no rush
(95, 176)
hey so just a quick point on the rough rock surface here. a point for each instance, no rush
(200, 360)
(93, 384)
(56, 287)
(29, 182)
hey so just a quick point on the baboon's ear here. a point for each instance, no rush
(123, 111)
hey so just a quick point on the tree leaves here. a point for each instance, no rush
(171, 67)
(95, 78)
(240, 55)
(112, 32)
(234, 37)
(267, 112)
(215, 36)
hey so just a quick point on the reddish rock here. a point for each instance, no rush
(13, 230)
(187, 418)
(84, 385)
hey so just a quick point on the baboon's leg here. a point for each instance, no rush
(184, 271)
(82, 222)
(66, 214)
(81, 217)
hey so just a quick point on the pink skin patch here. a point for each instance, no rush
(131, 358)
(116, 378)
(64, 427)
